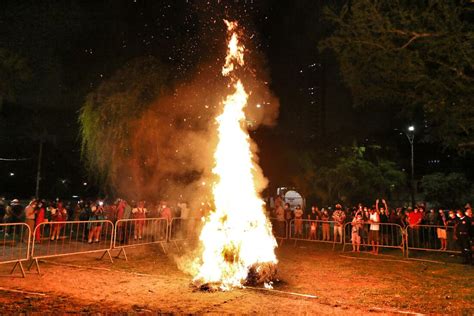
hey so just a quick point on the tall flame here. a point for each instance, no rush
(236, 236)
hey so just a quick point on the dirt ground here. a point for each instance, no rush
(149, 282)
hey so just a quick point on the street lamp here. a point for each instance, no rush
(411, 137)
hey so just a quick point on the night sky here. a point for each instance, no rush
(71, 46)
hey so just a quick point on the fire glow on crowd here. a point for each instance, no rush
(236, 236)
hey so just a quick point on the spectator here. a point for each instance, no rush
(298, 221)
(70, 212)
(2, 209)
(468, 213)
(40, 218)
(139, 213)
(463, 231)
(365, 229)
(16, 212)
(414, 219)
(30, 217)
(450, 223)
(95, 228)
(313, 217)
(58, 215)
(441, 229)
(288, 212)
(338, 216)
(374, 230)
(83, 210)
(119, 216)
(383, 215)
(357, 224)
(166, 213)
(280, 216)
(325, 225)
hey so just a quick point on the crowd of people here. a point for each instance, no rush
(379, 224)
(39, 211)
(369, 225)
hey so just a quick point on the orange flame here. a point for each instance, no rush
(236, 235)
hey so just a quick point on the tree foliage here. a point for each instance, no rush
(13, 72)
(446, 190)
(413, 55)
(109, 113)
(352, 178)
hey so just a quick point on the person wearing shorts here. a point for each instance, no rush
(441, 230)
(374, 235)
(357, 224)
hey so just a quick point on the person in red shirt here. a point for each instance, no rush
(414, 219)
(40, 212)
(59, 215)
(139, 213)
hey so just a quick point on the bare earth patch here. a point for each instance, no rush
(150, 282)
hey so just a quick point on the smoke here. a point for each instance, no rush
(172, 141)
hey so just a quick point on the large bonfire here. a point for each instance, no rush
(238, 247)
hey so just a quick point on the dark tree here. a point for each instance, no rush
(415, 56)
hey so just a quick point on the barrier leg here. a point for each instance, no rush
(122, 250)
(281, 241)
(163, 247)
(18, 263)
(296, 240)
(34, 261)
(108, 253)
(175, 244)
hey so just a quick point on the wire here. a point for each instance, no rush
(14, 159)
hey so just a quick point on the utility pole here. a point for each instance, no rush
(411, 137)
(38, 171)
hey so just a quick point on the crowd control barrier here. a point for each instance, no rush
(139, 232)
(183, 230)
(280, 229)
(389, 235)
(56, 239)
(15, 243)
(316, 231)
(431, 238)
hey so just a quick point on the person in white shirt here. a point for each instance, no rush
(374, 231)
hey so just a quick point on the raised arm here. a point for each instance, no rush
(385, 205)
(377, 205)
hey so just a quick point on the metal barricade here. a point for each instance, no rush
(316, 231)
(431, 238)
(139, 232)
(56, 239)
(279, 228)
(184, 229)
(388, 235)
(15, 243)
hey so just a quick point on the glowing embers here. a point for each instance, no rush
(237, 242)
